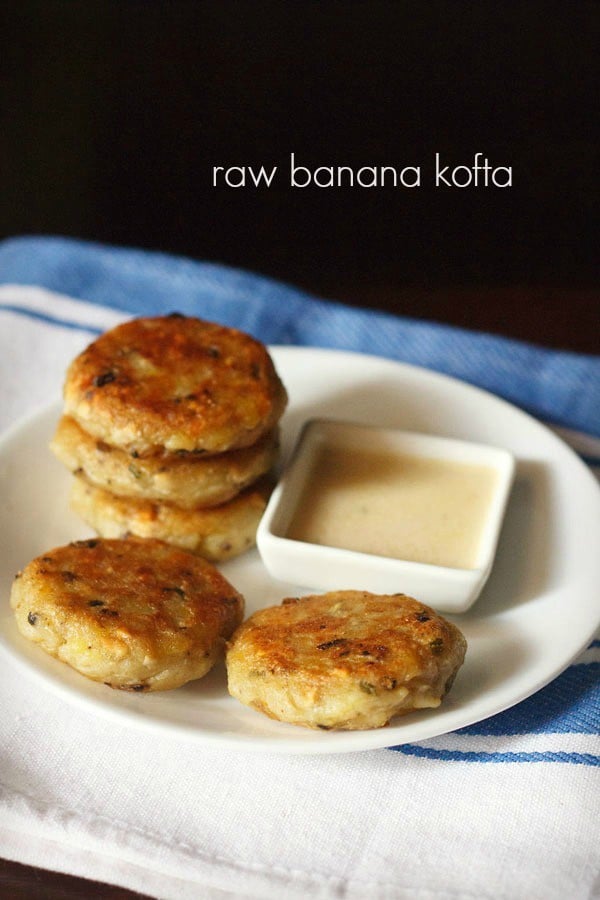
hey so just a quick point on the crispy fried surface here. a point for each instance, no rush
(137, 615)
(186, 480)
(217, 533)
(174, 383)
(346, 659)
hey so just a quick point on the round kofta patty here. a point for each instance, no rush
(136, 615)
(345, 660)
(174, 383)
(217, 533)
(186, 479)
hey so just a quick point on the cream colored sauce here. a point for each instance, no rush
(401, 506)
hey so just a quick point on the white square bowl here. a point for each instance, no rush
(325, 568)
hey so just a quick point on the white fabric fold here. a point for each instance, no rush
(376, 824)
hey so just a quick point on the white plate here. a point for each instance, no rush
(538, 610)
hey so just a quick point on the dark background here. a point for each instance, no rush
(114, 112)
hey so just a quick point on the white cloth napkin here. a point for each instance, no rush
(509, 816)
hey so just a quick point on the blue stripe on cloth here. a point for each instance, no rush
(570, 704)
(554, 385)
(49, 320)
(578, 759)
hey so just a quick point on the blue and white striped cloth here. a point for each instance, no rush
(433, 819)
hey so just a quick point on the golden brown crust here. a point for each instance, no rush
(187, 480)
(175, 383)
(216, 533)
(138, 615)
(347, 659)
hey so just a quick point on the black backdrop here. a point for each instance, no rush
(114, 112)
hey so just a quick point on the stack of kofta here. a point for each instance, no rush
(170, 427)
